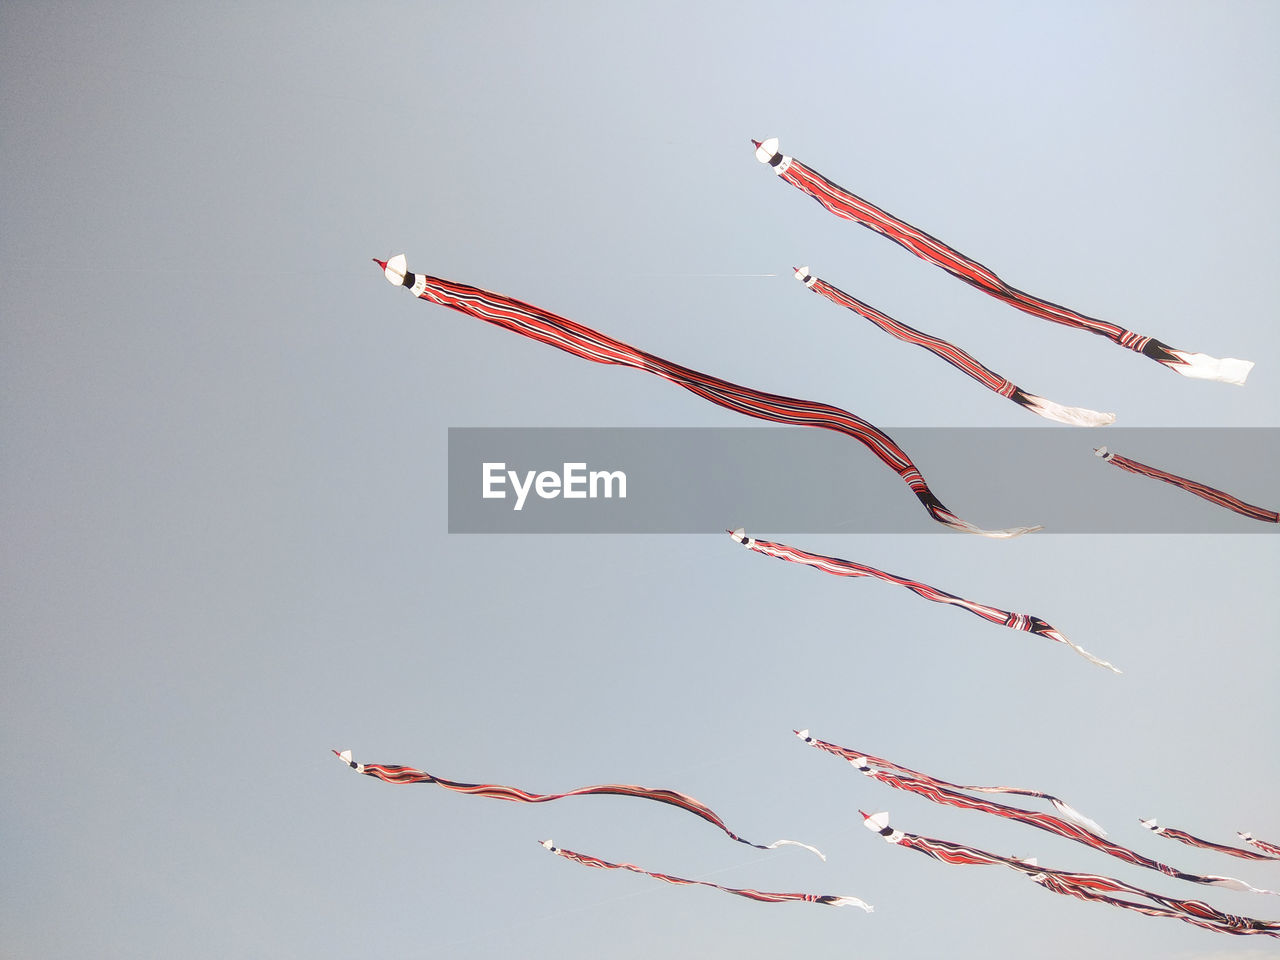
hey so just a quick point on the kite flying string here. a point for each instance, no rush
(700, 276)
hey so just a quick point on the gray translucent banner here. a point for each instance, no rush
(787, 480)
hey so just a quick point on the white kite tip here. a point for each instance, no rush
(548, 844)
(803, 735)
(875, 822)
(739, 534)
(396, 268)
(1151, 825)
(766, 150)
(344, 756)
(1102, 452)
(805, 277)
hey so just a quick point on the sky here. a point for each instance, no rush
(225, 518)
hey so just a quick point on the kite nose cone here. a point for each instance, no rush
(382, 264)
(755, 143)
(766, 150)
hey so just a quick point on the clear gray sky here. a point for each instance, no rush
(224, 460)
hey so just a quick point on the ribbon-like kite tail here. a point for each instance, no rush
(589, 344)
(1193, 841)
(1271, 848)
(849, 206)
(861, 760)
(763, 896)
(396, 773)
(962, 361)
(1199, 489)
(941, 792)
(848, 568)
(1085, 886)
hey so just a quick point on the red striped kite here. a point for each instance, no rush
(849, 206)
(939, 791)
(962, 361)
(1085, 886)
(396, 773)
(1211, 494)
(1192, 841)
(848, 568)
(761, 895)
(546, 327)
(1271, 848)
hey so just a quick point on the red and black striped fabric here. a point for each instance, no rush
(1211, 494)
(1087, 886)
(962, 361)
(1193, 841)
(848, 568)
(581, 341)
(397, 773)
(763, 896)
(1271, 848)
(849, 206)
(1239, 926)
(947, 795)
(862, 760)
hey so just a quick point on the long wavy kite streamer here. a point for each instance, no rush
(939, 791)
(860, 760)
(589, 344)
(1193, 841)
(962, 361)
(396, 773)
(763, 896)
(849, 206)
(1199, 489)
(1086, 886)
(1272, 848)
(847, 568)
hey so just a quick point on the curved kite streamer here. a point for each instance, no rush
(1262, 845)
(589, 344)
(762, 895)
(849, 206)
(962, 361)
(949, 795)
(861, 760)
(1193, 841)
(1086, 886)
(847, 568)
(396, 773)
(1199, 489)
